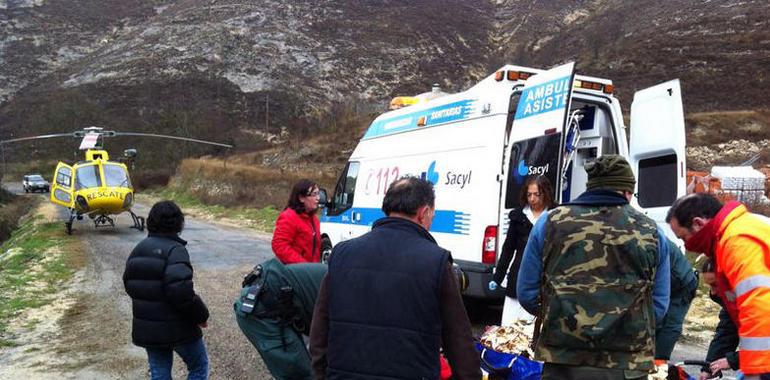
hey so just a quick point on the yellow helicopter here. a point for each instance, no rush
(98, 187)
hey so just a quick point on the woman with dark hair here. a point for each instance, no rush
(297, 237)
(168, 315)
(536, 198)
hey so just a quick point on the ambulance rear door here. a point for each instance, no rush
(657, 149)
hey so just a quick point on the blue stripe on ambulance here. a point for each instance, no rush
(444, 221)
(436, 115)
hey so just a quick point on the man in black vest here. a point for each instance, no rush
(390, 300)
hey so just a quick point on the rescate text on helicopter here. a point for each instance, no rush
(98, 187)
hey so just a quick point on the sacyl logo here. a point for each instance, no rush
(430, 175)
(523, 170)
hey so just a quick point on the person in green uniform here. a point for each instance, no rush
(684, 283)
(274, 310)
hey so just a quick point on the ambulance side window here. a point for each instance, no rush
(345, 189)
(657, 181)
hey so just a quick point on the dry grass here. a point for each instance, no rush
(707, 128)
(214, 181)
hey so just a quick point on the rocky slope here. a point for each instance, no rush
(242, 70)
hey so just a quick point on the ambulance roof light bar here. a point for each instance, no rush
(514, 75)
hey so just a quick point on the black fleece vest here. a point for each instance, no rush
(384, 311)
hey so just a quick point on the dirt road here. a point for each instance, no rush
(92, 339)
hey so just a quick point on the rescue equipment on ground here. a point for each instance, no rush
(500, 365)
(513, 339)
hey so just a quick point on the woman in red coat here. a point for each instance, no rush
(297, 237)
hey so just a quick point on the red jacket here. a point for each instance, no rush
(297, 238)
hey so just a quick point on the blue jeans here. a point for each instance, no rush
(193, 354)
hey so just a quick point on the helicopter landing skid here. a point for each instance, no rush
(138, 221)
(103, 221)
(68, 224)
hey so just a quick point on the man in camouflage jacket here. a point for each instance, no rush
(596, 272)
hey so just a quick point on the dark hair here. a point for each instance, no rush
(302, 188)
(165, 217)
(543, 186)
(407, 194)
(684, 209)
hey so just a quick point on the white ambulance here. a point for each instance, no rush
(478, 146)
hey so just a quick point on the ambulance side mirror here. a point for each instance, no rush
(323, 199)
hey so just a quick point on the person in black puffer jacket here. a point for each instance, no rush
(168, 315)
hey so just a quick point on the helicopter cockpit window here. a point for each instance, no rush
(64, 177)
(87, 176)
(115, 176)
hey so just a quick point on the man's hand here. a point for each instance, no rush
(704, 376)
(718, 365)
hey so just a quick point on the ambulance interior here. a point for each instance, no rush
(596, 138)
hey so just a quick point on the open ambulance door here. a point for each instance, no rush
(657, 149)
(61, 188)
(535, 141)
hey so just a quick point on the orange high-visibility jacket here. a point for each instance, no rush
(743, 257)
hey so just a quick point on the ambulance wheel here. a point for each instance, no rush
(326, 249)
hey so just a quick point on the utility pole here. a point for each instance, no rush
(2, 171)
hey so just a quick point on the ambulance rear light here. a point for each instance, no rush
(518, 75)
(512, 75)
(489, 245)
(596, 86)
(523, 75)
(550, 131)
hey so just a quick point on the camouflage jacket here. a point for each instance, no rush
(599, 265)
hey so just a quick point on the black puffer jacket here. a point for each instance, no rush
(513, 249)
(158, 278)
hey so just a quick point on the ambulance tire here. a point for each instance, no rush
(326, 249)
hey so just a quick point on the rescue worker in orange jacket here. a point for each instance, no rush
(739, 244)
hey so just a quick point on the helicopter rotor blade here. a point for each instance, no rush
(36, 138)
(171, 137)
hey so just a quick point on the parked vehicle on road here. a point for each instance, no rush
(35, 182)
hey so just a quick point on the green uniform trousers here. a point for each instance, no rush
(289, 361)
(669, 329)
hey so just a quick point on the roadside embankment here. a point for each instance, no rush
(217, 182)
(232, 193)
(36, 264)
(12, 208)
